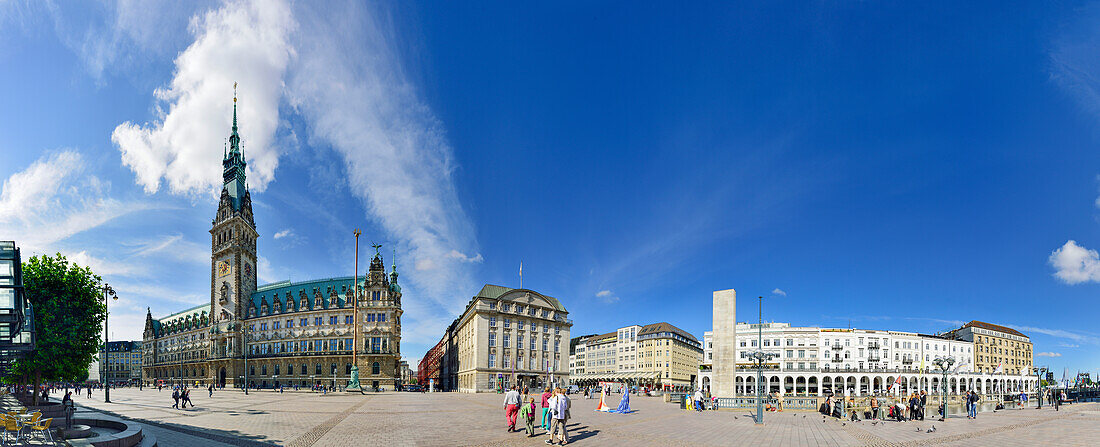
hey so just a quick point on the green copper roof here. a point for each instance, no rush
(495, 292)
(269, 293)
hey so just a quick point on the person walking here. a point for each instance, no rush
(874, 408)
(527, 414)
(176, 398)
(972, 405)
(511, 407)
(186, 398)
(923, 403)
(211, 390)
(779, 400)
(559, 412)
(546, 395)
(698, 400)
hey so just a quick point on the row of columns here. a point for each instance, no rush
(866, 384)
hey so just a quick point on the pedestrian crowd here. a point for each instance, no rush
(554, 403)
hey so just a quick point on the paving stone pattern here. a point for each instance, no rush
(303, 419)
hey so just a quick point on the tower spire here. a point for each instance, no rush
(234, 138)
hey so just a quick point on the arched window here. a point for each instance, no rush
(375, 368)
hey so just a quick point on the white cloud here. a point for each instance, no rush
(174, 246)
(455, 254)
(358, 99)
(104, 267)
(285, 233)
(338, 70)
(607, 296)
(243, 42)
(52, 200)
(1068, 345)
(1075, 264)
(1048, 354)
(779, 292)
(1061, 333)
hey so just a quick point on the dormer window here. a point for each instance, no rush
(305, 304)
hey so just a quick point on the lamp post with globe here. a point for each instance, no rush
(944, 364)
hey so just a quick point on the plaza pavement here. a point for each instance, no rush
(303, 419)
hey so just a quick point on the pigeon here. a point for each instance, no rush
(843, 424)
(874, 423)
(803, 416)
(918, 429)
(932, 430)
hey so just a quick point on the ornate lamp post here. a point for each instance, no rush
(1039, 373)
(944, 364)
(247, 333)
(759, 358)
(353, 384)
(107, 292)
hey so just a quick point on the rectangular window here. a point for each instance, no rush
(545, 343)
(492, 321)
(533, 341)
(519, 324)
(506, 344)
(304, 322)
(492, 305)
(492, 339)
(492, 360)
(382, 318)
(505, 307)
(347, 319)
(318, 321)
(507, 323)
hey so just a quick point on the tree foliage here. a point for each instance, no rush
(68, 319)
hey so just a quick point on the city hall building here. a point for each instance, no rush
(290, 333)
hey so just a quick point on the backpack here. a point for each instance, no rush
(176, 394)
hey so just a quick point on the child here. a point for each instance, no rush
(527, 414)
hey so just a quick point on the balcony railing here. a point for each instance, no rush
(836, 347)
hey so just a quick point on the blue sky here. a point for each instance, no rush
(908, 166)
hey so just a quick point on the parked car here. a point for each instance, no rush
(412, 388)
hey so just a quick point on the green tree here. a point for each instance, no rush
(68, 319)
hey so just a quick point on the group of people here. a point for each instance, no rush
(182, 396)
(555, 406)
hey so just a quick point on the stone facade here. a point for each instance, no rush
(504, 337)
(725, 342)
(300, 333)
(657, 355)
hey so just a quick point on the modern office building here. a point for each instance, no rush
(504, 337)
(120, 363)
(16, 313)
(292, 333)
(658, 355)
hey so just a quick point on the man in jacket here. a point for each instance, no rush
(511, 407)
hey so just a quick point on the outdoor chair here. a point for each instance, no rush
(44, 428)
(11, 426)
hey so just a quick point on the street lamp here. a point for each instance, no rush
(107, 292)
(353, 383)
(944, 363)
(247, 333)
(760, 358)
(1039, 373)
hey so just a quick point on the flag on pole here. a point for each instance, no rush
(897, 381)
(1000, 368)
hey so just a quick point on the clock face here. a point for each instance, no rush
(224, 268)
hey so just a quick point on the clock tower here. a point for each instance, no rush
(232, 253)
